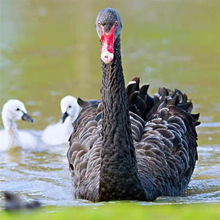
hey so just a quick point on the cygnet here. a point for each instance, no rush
(10, 136)
(59, 133)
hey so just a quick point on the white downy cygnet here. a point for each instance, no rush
(59, 133)
(10, 136)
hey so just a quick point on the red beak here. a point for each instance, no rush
(107, 40)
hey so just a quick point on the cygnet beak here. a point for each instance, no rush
(27, 117)
(64, 116)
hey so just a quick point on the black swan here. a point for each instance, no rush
(130, 146)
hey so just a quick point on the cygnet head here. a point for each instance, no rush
(14, 110)
(69, 108)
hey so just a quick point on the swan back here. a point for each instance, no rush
(165, 145)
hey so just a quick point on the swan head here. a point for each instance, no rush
(14, 110)
(108, 26)
(69, 108)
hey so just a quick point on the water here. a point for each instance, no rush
(50, 49)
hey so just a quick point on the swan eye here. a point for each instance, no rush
(116, 23)
(69, 106)
(18, 109)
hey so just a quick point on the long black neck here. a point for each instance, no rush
(118, 174)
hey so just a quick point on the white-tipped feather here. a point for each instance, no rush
(59, 133)
(131, 82)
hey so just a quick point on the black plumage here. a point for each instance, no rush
(131, 146)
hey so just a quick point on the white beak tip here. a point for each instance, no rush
(107, 57)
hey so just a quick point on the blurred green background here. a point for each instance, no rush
(50, 49)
